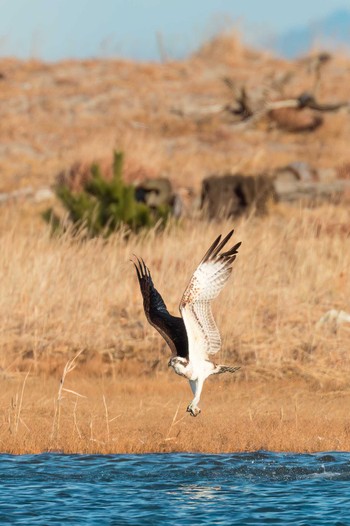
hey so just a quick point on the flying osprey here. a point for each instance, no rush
(194, 337)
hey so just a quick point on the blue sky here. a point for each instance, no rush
(56, 29)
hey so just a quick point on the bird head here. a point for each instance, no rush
(177, 360)
(180, 365)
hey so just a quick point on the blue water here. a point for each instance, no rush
(246, 488)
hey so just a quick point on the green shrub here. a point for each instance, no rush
(104, 206)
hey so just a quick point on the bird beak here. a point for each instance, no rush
(169, 363)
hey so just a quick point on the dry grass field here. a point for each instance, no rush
(62, 298)
(55, 114)
(138, 414)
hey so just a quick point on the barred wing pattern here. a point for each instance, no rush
(172, 328)
(205, 285)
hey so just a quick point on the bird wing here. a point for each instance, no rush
(206, 283)
(172, 328)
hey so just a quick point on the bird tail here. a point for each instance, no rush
(219, 369)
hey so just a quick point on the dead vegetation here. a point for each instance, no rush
(61, 294)
(60, 297)
(138, 415)
(175, 119)
(63, 297)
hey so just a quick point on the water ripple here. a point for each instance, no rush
(246, 488)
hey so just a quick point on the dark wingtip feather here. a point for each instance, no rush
(222, 244)
(232, 250)
(136, 268)
(146, 269)
(141, 268)
(210, 250)
(217, 246)
(230, 260)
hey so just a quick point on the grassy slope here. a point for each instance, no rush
(58, 297)
(54, 114)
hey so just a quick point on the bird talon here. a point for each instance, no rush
(194, 411)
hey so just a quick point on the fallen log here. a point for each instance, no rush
(232, 195)
(310, 191)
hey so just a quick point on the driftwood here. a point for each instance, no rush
(272, 110)
(232, 195)
(296, 114)
(28, 193)
(246, 114)
(315, 65)
(250, 107)
(311, 191)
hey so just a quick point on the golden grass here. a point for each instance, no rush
(62, 294)
(60, 297)
(137, 415)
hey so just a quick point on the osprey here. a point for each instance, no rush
(194, 337)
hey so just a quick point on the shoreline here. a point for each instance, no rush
(105, 416)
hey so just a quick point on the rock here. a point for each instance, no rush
(326, 174)
(286, 177)
(334, 318)
(43, 194)
(303, 171)
(159, 192)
